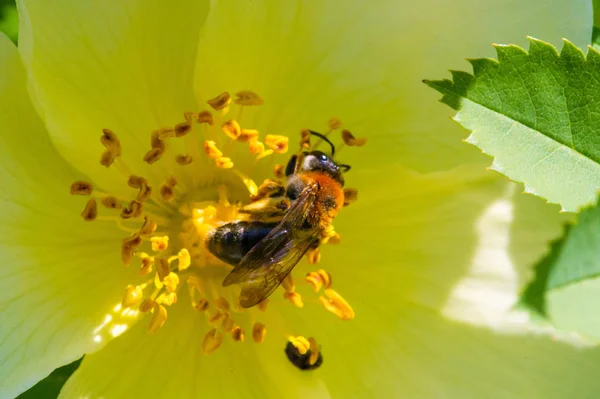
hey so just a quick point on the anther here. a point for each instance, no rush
(277, 143)
(146, 305)
(232, 129)
(133, 296)
(189, 116)
(166, 193)
(184, 258)
(167, 299)
(228, 324)
(313, 256)
(279, 171)
(335, 239)
(160, 243)
(247, 97)
(352, 141)
(237, 334)
(224, 163)
(288, 283)
(210, 149)
(302, 360)
(334, 123)
(183, 159)
(325, 278)
(314, 351)
(147, 262)
(81, 188)
(216, 317)
(300, 343)
(295, 298)
(158, 318)
(164, 133)
(133, 210)
(350, 196)
(222, 304)
(107, 158)
(205, 117)
(90, 212)
(258, 333)
(162, 268)
(134, 181)
(314, 279)
(202, 305)
(337, 305)
(171, 282)
(262, 306)
(305, 139)
(220, 102)
(181, 129)
(128, 247)
(212, 341)
(247, 135)
(256, 147)
(148, 227)
(111, 202)
(153, 155)
(144, 193)
(110, 141)
(155, 140)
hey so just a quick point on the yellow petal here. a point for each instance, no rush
(125, 67)
(58, 281)
(363, 62)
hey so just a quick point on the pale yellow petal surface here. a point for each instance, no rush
(403, 250)
(97, 64)
(57, 278)
(363, 62)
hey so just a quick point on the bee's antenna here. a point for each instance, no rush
(345, 167)
(324, 138)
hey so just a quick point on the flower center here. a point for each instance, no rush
(204, 223)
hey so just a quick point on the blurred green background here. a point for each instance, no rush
(49, 387)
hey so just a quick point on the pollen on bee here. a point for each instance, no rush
(156, 141)
(334, 239)
(337, 305)
(90, 212)
(159, 244)
(210, 149)
(220, 102)
(247, 97)
(205, 117)
(238, 334)
(352, 141)
(224, 163)
(159, 317)
(295, 298)
(183, 159)
(277, 143)
(259, 331)
(133, 296)
(232, 129)
(81, 188)
(212, 340)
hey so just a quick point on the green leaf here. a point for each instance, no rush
(566, 287)
(49, 387)
(538, 115)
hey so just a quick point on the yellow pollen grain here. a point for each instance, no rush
(205, 117)
(325, 278)
(314, 351)
(256, 147)
(184, 259)
(314, 279)
(162, 268)
(313, 256)
(111, 142)
(212, 341)
(262, 306)
(128, 247)
(133, 296)
(146, 305)
(171, 282)
(334, 123)
(259, 331)
(159, 318)
(211, 150)
(247, 97)
(295, 298)
(352, 141)
(160, 243)
(277, 143)
(147, 262)
(148, 228)
(288, 283)
(220, 102)
(337, 305)
(224, 163)
(81, 188)
(222, 304)
(107, 158)
(110, 202)
(183, 159)
(153, 155)
(279, 171)
(182, 129)
(300, 343)
(90, 212)
(232, 129)
(237, 334)
(247, 135)
(350, 196)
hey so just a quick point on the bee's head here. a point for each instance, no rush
(316, 161)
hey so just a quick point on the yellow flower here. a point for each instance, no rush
(126, 84)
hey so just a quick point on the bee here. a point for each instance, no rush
(263, 253)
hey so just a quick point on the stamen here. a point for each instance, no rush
(210, 149)
(111, 202)
(335, 239)
(288, 283)
(202, 305)
(166, 189)
(147, 262)
(334, 123)
(167, 299)
(160, 243)
(352, 141)
(216, 317)
(128, 248)
(162, 268)
(107, 158)
(295, 298)
(147, 305)
(350, 196)
(315, 280)
(259, 331)
(224, 163)
(212, 341)
(183, 159)
(205, 117)
(220, 102)
(182, 129)
(277, 143)
(301, 354)
(110, 141)
(249, 183)
(262, 306)
(256, 147)
(90, 212)
(81, 188)
(232, 129)
(148, 228)
(171, 281)
(300, 343)
(247, 97)
(185, 260)
(222, 304)
(133, 210)
(133, 296)
(136, 181)
(305, 139)
(337, 305)
(325, 278)
(313, 256)
(158, 318)
(314, 351)
(238, 334)
(247, 135)
(153, 155)
(228, 324)
(279, 171)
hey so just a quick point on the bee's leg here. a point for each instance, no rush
(268, 189)
(267, 207)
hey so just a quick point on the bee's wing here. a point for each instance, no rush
(271, 260)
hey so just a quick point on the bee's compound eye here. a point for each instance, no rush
(302, 361)
(291, 166)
